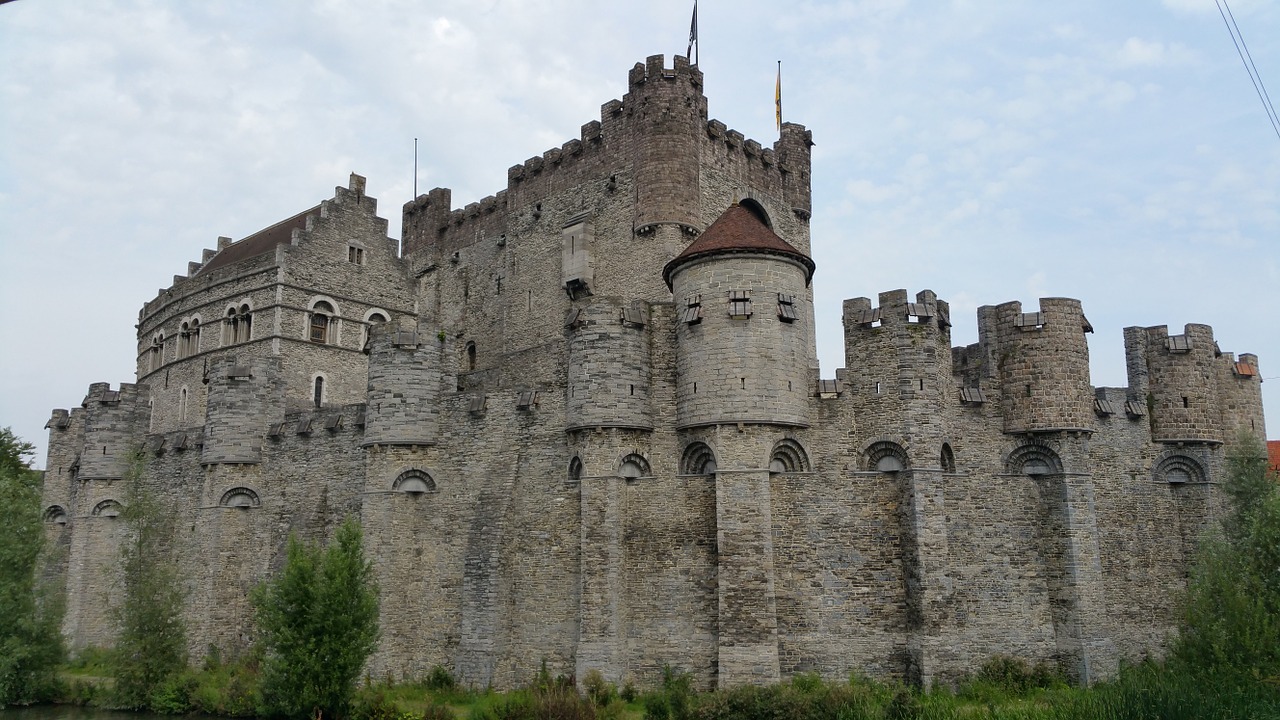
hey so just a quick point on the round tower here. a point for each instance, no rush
(741, 340)
(245, 397)
(404, 386)
(1043, 360)
(110, 431)
(669, 114)
(609, 366)
(900, 352)
(1182, 392)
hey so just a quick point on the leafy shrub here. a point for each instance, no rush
(319, 623)
(601, 691)
(440, 679)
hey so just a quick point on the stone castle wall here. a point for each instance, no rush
(538, 479)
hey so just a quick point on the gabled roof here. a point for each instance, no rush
(261, 242)
(738, 230)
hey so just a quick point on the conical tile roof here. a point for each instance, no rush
(738, 230)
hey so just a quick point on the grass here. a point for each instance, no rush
(1003, 689)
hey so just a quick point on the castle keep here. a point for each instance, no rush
(582, 421)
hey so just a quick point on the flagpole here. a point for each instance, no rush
(415, 168)
(693, 37)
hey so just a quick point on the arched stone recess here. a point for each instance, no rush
(633, 466)
(757, 208)
(55, 514)
(947, 459)
(575, 471)
(1033, 459)
(414, 482)
(885, 455)
(240, 497)
(373, 316)
(697, 459)
(108, 509)
(788, 456)
(1179, 468)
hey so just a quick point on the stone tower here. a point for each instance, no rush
(741, 384)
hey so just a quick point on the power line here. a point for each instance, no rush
(1242, 49)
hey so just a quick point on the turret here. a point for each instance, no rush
(1240, 396)
(609, 365)
(741, 342)
(669, 114)
(110, 431)
(900, 352)
(245, 397)
(1043, 361)
(1182, 390)
(404, 385)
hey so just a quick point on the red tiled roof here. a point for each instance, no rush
(263, 241)
(1273, 453)
(738, 230)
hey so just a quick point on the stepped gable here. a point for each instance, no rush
(738, 229)
(263, 241)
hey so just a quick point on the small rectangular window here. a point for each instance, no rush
(972, 395)
(786, 308)
(1179, 344)
(527, 399)
(355, 255)
(333, 423)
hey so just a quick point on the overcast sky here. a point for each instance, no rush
(990, 151)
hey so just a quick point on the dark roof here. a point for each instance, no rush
(263, 241)
(738, 230)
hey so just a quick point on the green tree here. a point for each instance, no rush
(30, 642)
(319, 623)
(1233, 602)
(152, 644)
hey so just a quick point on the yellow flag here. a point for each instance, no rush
(777, 96)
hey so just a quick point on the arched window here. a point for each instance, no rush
(375, 318)
(182, 404)
(575, 470)
(471, 356)
(317, 395)
(231, 327)
(55, 514)
(887, 457)
(240, 497)
(107, 509)
(184, 339)
(414, 482)
(947, 459)
(788, 456)
(321, 318)
(698, 459)
(157, 352)
(633, 466)
(244, 330)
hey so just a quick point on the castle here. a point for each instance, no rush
(581, 421)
